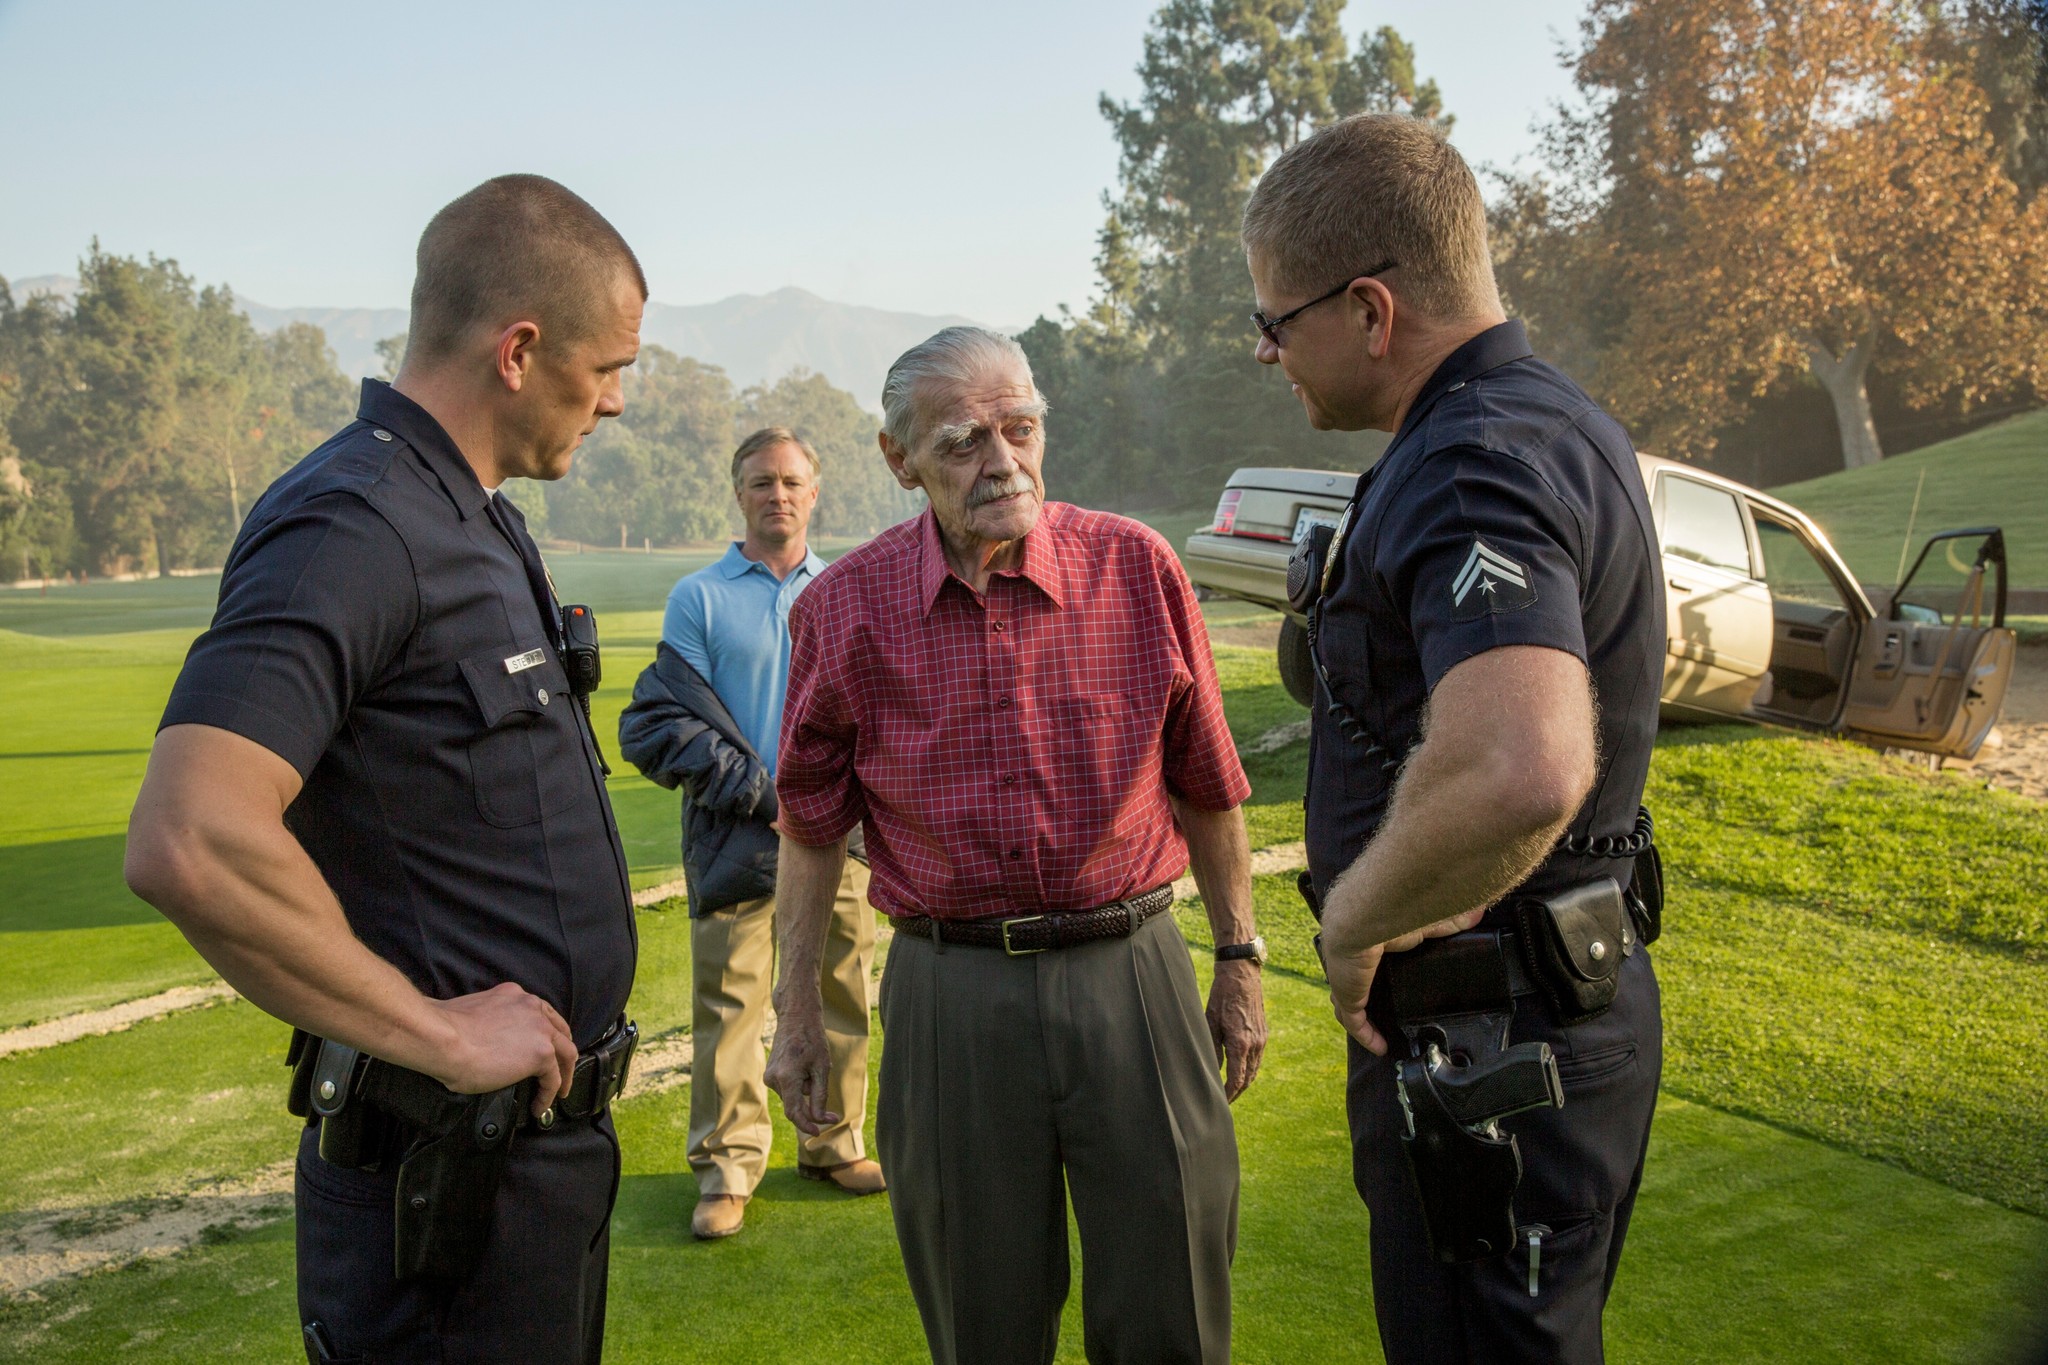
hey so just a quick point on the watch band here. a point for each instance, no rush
(1233, 952)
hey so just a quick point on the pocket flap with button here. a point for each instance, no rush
(501, 695)
(1588, 922)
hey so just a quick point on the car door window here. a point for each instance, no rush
(1948, 584)
(1704, 524)
(1792, 569)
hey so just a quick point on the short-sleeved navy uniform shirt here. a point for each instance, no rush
(386, 627)
(1508, 510)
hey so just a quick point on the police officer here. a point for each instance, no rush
(377, 810)
(1488, 632)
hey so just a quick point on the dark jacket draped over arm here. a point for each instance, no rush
(679, 734)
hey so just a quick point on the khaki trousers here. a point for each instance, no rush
(732, 971)
(1009, 1085)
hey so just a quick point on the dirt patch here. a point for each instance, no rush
(1266, 636)
(1277, 738)
(56, 1244)
(664, 1063)
(113, 1019)
(1265, 862)
(2015, 757)
(2019, 760)
(2026, 701)
(48, 1245)
(655, 895)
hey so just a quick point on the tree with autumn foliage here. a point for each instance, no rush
(1761, 188)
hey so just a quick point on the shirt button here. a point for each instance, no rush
(1016, 854)
(1002, 703)
(999, 625)
(381, 434)
(1009, 779)
(543, 695)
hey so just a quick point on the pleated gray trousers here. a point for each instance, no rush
(1010, 1082)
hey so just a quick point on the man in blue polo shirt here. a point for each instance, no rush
(705, 716)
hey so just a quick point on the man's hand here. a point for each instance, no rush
(806, 881)
(1237, 1023)
(800, 1065)
(1351, 975)
(504, 1035)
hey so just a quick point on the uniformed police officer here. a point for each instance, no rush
(376, 809)
(1489, 635)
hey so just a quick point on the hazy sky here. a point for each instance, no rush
(940, 156)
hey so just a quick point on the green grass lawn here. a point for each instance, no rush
(1996, 475)
(1846, 1163)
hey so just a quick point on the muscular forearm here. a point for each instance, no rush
(1221, 858)
(1447, 847)
(215, 857)
(806, 881)
(1506, 760)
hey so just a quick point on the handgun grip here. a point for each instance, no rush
(1522, 1077)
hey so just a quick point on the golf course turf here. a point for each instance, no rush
(1846, 1163)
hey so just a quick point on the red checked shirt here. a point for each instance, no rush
(1010, 753)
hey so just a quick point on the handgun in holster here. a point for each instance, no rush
(454, 1147)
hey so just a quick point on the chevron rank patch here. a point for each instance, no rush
(1489, 581)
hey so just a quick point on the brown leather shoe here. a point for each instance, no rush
(718, 1215)
(855, 1177)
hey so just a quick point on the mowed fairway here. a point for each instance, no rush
(1846, 1165)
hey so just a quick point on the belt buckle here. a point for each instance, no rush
(1019, 952)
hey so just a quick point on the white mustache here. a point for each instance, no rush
(985, 493)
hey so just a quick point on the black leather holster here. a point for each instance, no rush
(451, 1149)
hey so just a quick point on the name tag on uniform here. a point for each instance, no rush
(532, 658)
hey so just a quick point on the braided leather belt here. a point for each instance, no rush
(1037, 933)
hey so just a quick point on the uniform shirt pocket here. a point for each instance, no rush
(520, 732)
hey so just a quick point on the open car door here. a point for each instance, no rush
(1931, 672)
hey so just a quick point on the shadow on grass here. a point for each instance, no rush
(67, 884)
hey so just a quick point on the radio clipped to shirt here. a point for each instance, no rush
(580, 659)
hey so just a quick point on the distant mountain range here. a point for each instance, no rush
(754, 337)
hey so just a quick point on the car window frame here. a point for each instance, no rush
(1660, 508)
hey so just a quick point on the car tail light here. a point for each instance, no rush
(1226, 510)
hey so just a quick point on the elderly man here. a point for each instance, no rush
(1016, 702)
(705, 716)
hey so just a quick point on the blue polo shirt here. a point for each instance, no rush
(730, 620)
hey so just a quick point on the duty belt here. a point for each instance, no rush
(1025, 934)
(1466, 973)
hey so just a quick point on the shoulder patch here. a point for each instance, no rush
(1490, 582)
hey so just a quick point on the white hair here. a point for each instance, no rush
(953, 356)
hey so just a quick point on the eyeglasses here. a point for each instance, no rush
(1269, 328)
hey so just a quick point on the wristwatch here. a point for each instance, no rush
(1255, 950)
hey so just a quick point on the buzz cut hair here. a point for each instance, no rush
(767, 438)
(517, 247)
(1369, 189)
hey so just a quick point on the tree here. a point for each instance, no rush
(651, 474)
(2005, 46)
(391, 351)
(1762, 189)
(1154, 392)
(149, 415)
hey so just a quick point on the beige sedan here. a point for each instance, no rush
(1764, 621)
